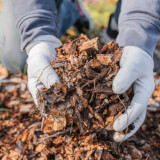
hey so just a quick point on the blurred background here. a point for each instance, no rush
(99, 10)
(0, 5)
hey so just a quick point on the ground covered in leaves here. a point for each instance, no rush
(25, 135)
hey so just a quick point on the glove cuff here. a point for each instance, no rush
(45, 38)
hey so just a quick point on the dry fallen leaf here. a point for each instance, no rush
(3, 72)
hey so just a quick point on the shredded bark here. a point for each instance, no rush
(81, 112)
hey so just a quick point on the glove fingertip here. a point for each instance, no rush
(118, 137)
(52, 79)
(120, 123)
(49, 77)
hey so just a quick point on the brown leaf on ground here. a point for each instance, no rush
(3, 73)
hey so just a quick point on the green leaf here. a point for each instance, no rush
(4, 109)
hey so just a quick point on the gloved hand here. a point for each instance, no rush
(136, 67)
(40, 73)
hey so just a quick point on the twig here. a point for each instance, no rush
(147, 158)
(104, 91)
(80, 120)
(40, 77)
(98, 78)
(78, 39)
(55, 135)
(92, 97)
(71, 127)
(100, 107)
(37, 124)
(127, 113)
(42, 123)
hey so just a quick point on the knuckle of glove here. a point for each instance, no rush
(42, 71)
(118, 87)
(118, 137)
(49, 77)
(37, 65)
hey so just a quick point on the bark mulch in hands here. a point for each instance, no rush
(83, 99)
(81, 110)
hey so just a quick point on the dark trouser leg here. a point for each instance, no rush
(68, 14)
(117, 11)
(112, 29)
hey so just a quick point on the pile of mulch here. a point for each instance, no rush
(80, 111)
(83, 99)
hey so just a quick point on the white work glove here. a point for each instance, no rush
(40, 73)
(136, 67)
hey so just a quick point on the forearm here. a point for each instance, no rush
(139, 24)
(35, 18)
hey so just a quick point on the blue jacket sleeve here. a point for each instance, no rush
(139, 24)
(35, 18)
